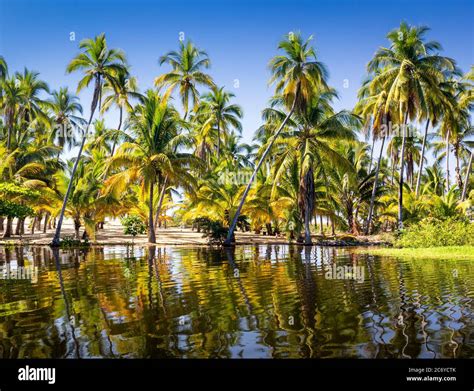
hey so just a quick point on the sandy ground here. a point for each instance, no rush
(112, 234)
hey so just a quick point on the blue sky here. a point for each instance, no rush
(240, 38)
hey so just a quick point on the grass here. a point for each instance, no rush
(449, 252)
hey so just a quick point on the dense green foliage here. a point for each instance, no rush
(437, 233)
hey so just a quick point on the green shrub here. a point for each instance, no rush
(133, 225)
(71, 242)
(215, 232)
(437, 233)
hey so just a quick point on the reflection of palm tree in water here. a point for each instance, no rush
(230, 254)
(153, 313)
(307, 291)
(66, 303)
(406, 319)
(375, 307)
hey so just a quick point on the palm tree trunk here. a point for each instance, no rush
(422, 158)
(77, 227)
(46, 221)
(218, 139)
(57, 234)
(466, 179)
(307, 229)
(371, 153)
(400, 182)
(392, 178)
(458, 169)
(9, 121)
(151, 227)
(2, 227)
(18, 226)
(230, 234)
(8, 228)
(374, 190)
(118, 128)
(160, 201)
(447, 162)
(9, 138)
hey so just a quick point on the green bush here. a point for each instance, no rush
(437, 233)
(215, 232)
(71, 242)
(133, 225)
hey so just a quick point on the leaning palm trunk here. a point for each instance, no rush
(466, 180)
(57, 235)
(372, 153)
(118, 128)
(230, 234)
(160, 201)
(422, 158)
(400, 182)
(374, 190)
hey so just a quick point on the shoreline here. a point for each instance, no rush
(113, 235)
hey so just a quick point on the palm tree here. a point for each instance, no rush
(298, 75)
(372, 107)
(120, 92)
(352, 189)
(65, 108)
(151, 155)
(98, 63)
(219, 113)
(3, 68)
(433, 180)
(411, 73)
(310, 140)
(33, 87)
(13, 96)
(186, 74)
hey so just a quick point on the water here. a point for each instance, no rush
(254, 301)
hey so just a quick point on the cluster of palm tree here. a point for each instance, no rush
(309, 168)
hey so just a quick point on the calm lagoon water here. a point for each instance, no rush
(248, 302)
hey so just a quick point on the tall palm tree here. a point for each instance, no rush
(186, 75)
(310, 140)
(151, 154)
(120, 92)
(66, 112)
(372, 107)
(13, 97)
(298, 75)
(98, 63)
(220, 114)
(34, 105)
(412, 71)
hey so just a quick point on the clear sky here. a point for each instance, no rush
(240, 37)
